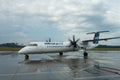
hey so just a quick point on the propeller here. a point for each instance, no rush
(73, 43)
(49, 40)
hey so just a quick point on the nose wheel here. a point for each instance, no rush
(26, 57)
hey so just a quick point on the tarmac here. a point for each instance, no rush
(100, 65)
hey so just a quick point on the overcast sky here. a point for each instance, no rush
(24, 21)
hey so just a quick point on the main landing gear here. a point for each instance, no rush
(61, 53)
(26, 57)
(85, 55)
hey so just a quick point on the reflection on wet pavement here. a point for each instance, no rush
(70, 66)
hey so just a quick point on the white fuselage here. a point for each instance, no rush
(49, 47)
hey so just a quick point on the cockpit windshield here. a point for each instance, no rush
(32, 45)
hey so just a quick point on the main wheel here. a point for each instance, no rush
(85, 55)
(61, 53)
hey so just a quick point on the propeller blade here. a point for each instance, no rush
(73, 43)
(77, 40)
(73, 38)
(70, 40)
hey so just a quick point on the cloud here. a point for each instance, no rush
(30, 19)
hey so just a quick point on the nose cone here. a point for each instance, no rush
(22, 51)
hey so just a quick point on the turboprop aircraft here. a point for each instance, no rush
(60, 47)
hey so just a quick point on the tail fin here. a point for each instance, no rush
(96, 36)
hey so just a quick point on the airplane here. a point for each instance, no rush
(60, 47)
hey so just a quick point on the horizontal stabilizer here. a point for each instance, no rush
(97, 32)
(104, 39)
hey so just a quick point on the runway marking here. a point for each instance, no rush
(42, 72)
(96, 77)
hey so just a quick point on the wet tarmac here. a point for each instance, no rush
(101, 65)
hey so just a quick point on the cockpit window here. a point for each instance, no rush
(32, 45)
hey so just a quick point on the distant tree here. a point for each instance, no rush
(11, 45)
(107, 46)
(101, 46)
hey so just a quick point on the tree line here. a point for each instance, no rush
(11, 45)
(107, 46)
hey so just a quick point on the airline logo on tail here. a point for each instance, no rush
(96, 38)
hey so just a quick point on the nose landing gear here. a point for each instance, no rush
(26, 57)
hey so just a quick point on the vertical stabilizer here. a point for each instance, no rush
(96, 36)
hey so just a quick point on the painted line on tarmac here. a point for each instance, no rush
(98, 77)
